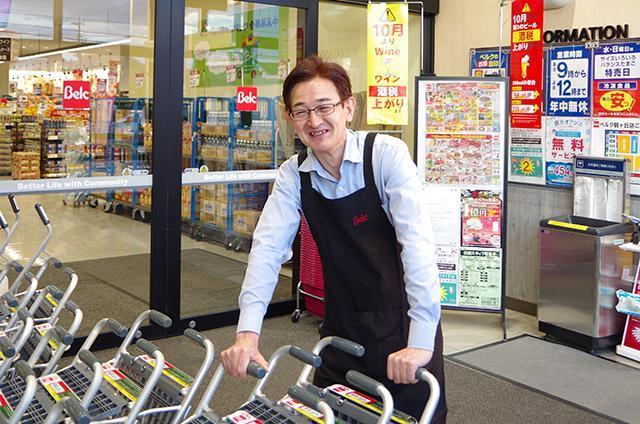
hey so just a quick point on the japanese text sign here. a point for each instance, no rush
(616, 75)
(526, 63)
(76, 95)
(568, 82)
(489, 63)
(387, 64)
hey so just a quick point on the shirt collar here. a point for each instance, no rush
(352, 153)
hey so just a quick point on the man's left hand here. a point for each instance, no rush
(403, 364)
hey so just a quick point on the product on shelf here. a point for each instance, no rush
(245, 221)
(25, 165)
(52, 152)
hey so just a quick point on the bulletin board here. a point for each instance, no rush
(460, 151)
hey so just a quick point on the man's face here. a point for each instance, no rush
(323, 134)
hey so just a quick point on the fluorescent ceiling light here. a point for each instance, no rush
(75, 49)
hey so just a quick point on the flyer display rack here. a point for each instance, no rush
(460, 151)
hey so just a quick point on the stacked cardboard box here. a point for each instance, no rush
(244, 222)
(25, 165)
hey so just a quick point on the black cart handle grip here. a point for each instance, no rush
(307, 357)
(16, 266)
(195, 337)
(23, 369)
(88, 358)
(13, 203)
(347, 346)
(6, 347)
(255, 370)
(54, 291)
(10, 299)
(29, 275)
(63, 335)
(117, 328)
(77, 413)
(3, 222)
(56, 262)
(363, 382)
(23, 314)
(146, 346)
(161, 319)
(41, 213)
(304, 396)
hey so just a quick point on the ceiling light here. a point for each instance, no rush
(75, 49)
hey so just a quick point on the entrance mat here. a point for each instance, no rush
(595, 384)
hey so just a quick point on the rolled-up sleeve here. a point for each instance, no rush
(272, 239)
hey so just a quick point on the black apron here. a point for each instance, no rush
(365, 297)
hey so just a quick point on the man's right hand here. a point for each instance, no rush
(236, 358)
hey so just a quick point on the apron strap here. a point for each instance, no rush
(369, 181)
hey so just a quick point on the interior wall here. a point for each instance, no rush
(463, 24)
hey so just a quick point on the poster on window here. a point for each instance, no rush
(568, 81)
(480, 278)
(481, 224)
(526, 155)
(461, 138)
(566, 138)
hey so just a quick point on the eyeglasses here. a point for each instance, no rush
(320, 110)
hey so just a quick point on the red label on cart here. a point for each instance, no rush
(302, 409)
(5, 408)
(369, 403)
(56, 387)
(247, 98)
(76, 95)
(242, 417)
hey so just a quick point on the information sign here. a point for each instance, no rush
(568, 81)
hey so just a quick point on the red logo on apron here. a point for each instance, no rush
(360, 219)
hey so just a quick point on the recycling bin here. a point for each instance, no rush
(581, 267)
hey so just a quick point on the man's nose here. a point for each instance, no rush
(314, 120)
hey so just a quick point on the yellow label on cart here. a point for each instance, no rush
(5, 408)
(121, 382)
(42, 330)
(56, 387)
(302, 409)
(369, 403)
(568, 225)
(176, 374)
(51, 300)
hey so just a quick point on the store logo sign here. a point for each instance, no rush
(76, 95)
(247, 98)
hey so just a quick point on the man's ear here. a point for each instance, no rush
(350, 105)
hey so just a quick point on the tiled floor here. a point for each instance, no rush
(84, 233)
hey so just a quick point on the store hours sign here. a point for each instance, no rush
(568, 83)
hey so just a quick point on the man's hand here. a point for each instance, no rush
(236, 358)
(403, 364)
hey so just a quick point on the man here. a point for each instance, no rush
(363, 202)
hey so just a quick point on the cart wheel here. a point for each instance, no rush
(108, 206)
(295, 316)
(117, 208)
(93, 203)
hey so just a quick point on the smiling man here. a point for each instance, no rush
(362, 198)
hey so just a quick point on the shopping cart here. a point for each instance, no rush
(311, 284)
(17, 396)
(259, 408)
(18, 337)
(356, 407)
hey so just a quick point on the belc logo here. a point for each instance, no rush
(360, 219)
(76, 95)
(247, 98)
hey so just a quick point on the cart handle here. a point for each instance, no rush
(117, 328)
(10, 299)
(315, 402)
(6, 347)
(54, 291)
(195, 337)
(24, 370)
(256, 370)
(430, 408)
(159, 318)
(370, 385)
(13, 203)
(77, 413)
(3, 222)
(41, 213)
(347, 346)
(146, 346)
(305, 356)
(88, 358)
(57, 263)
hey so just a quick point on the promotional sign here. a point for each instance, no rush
(566, 139)
(194, 78)
(616, 75)
(247, 98)
(387, 63)
(568, 81)
(526, 155)
(630, 346)
(76, 95)
(460, 154)
(489, 63)
(526, 63)
(5, 49)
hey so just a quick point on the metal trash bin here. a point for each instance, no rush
(581, 267)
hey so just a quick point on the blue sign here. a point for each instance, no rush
(485, 63)
(617, 61)
(559, 174)
(599, 166)
(568, 91)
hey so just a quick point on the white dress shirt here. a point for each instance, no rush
(403, 201)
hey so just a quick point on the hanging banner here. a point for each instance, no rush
(526, 63)
(387, 63)
(568, 81)
(526, 155)
(566, 139)
(489, 63)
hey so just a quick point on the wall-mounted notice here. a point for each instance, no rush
(567, 138)
(616, 75)
(460, 154)
(526, 155)
(489, 63)
(568, 81)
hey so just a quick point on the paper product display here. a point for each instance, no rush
(628, 303)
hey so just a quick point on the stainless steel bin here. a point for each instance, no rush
(581, 267)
